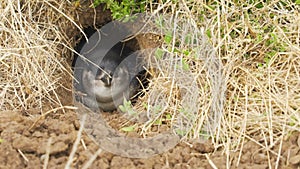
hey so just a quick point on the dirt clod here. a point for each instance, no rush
(295, 159)
(121, 163)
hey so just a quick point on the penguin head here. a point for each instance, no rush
(105, 76)
(108, 74)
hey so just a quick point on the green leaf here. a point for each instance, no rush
(131, 112)
(122, 8)
(188, 38)
(185, 65)
(186, 52)
(212, 8)
(168, 117)
(96, 3)
(259, 65)
(208, 33)
(127, 103)
(292, 122)
(127, 107)
(168, 38)
(204, 134)
(158, 122)
(259, 5)
(272, 53)
(145, 105)
(273, 38)
(297, 2)
(128, 129)
(259, 38)
(159, 53)
(176, 50)
(180, 132)
(267, 60)
(122, 108)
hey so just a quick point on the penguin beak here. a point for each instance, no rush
(106, 80)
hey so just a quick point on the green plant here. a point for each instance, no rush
(122, 9)
(129, 128)
(127, 107)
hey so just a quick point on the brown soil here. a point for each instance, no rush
(25, 139)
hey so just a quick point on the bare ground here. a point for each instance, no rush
(25, 144)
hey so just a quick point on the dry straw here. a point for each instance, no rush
(245, 72)
(187, 88)
(180, 71)
(32, 60)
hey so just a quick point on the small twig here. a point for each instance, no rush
(23, 155)
(76, 143)
(92, 159)
(66, 16)
(83, 144)
(211, 162)
(48, 148)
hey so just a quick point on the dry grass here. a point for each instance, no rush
(240, 83)
(187, 89)
(32, 58)
(258, 46)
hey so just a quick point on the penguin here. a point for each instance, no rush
(110, 77)
(108, 87)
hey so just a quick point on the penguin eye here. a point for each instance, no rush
(99, 71)
(100, 74)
